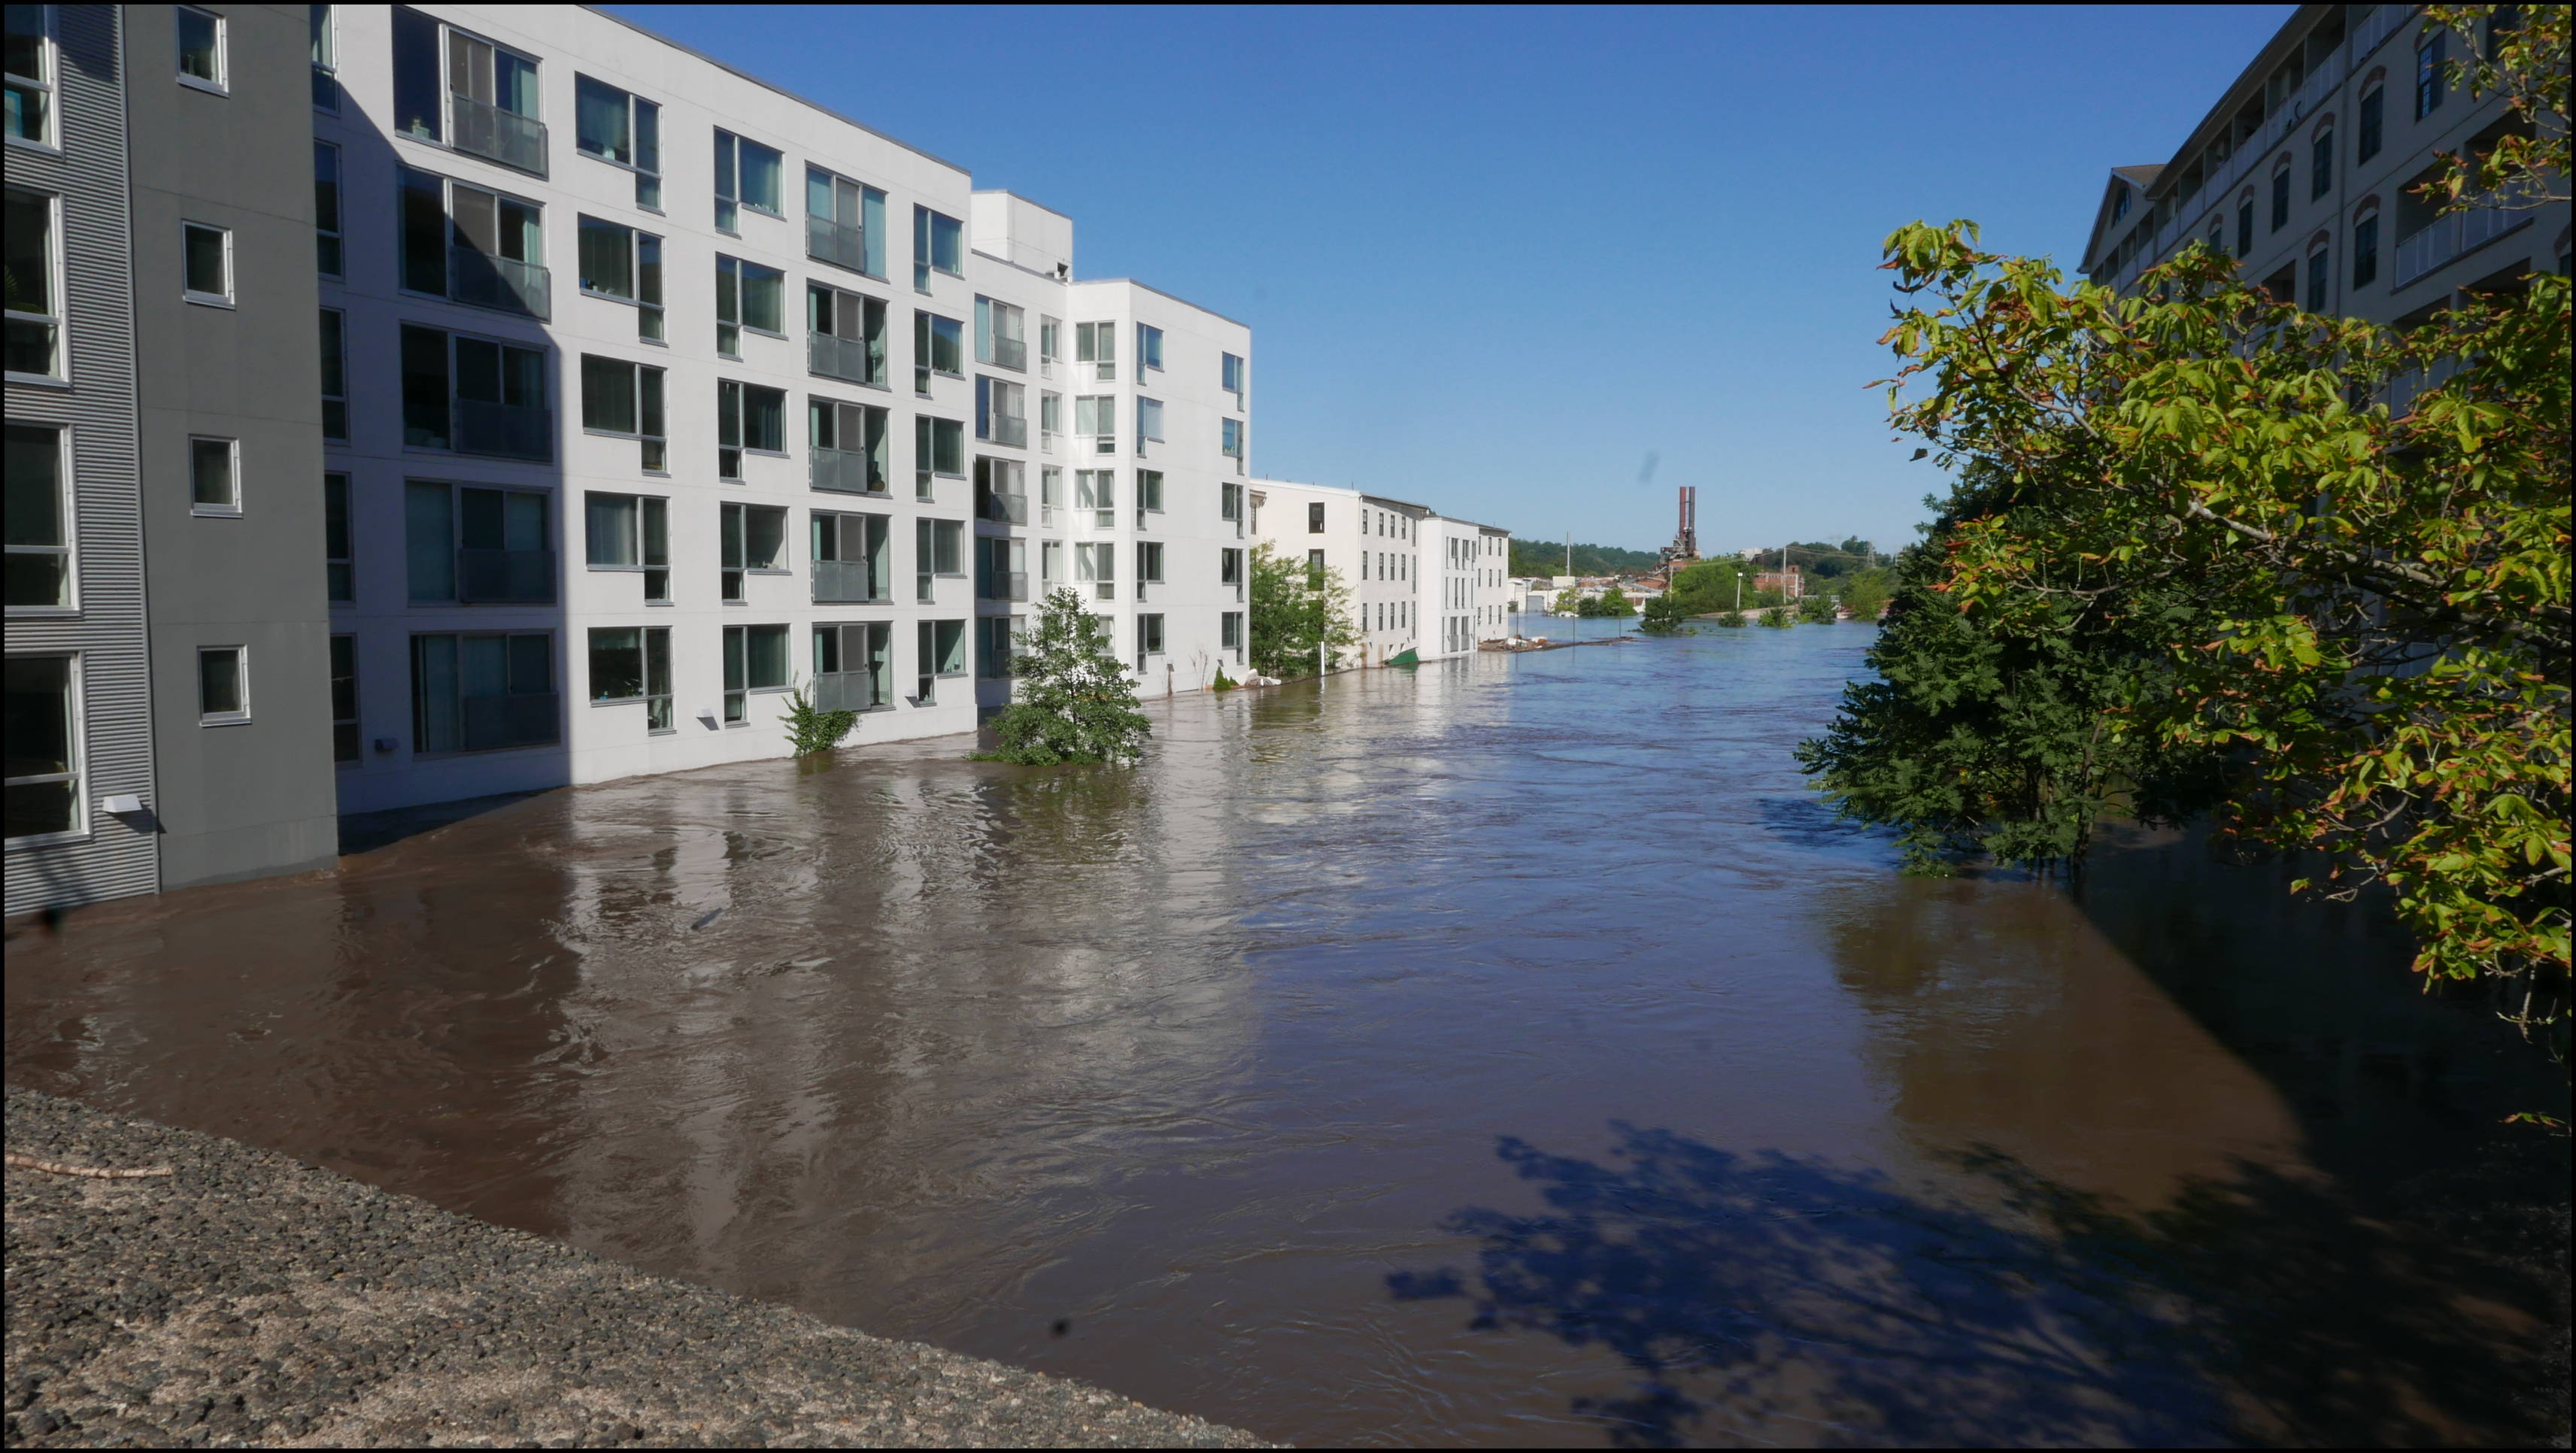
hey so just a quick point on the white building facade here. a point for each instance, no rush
(1420, 581)
(660, 392)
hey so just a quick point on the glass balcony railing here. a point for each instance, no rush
(842, 582)
(511, 431)
(499, 282)
(509, 577)
(844, 470)
(488, 131)
(1002, 429)
(829, 241)
(846, 359)
(527, 719)
(849, 690)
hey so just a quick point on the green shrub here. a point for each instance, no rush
(811, 731)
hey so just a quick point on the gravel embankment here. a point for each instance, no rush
(248, 1298)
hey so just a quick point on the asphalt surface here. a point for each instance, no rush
(250, 1299)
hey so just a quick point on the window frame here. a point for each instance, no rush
(344, 651)
(737, 654)
(421, 703)
(925, 463)
(1232, 371)
(733, 409)
(335, 363)
(240, 713)
(648, 180)
(450, 337)
(67, 523)
(2365, 250)
(330, 241)
(447, 186)
(76, 763)
(57, 337)
(221, 83)
(925, 349)
(734, 287)
(733, 165)
(925, 246)
(655, 455)
(2320, 266)
(231, 510)
(339, 559)
(325, 39)
(47, 86)
(189, 294)
(1149, 349)
(2370, 127)
(2321, 155)
(643, 273)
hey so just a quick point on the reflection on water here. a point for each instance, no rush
(1206, 1058)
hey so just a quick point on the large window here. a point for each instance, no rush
(623, 130)
(482, 100)
(1149, 494)
(1001, 411)
(994, 636)
(747, 175)
(844, 222)
(846, 335)
(2432, 70)
(627, 532)
(2321, 163)
(751, 296)
(938, 447)
(1001, 491)
(755, 542)
(938, 548)
(2319, 262)
(1050, 420)
(849, 558)
(1149, 347)
(2281, 196)
(749, 418)
(339, 566)
(474, 395)
(345, 739)
(206, 263)
(845, 446)
(1096, 565)
(40, 520)
(938, 245)
(2245, 227)
(853, 669)
(474, 246)
(625, 400)
(1001, 334)
(2374, 110)
(1149, 423)
(34, 287)
(324, 34)
(43, 750)
(31, 60)
(1230, 440)
(327, 258)
(1231, 377)
(633, 664)
(1149, 565)
(335, 375)
(201, 47)
(1001, 568)
(625, 265)
(755, 659)
(1315, 518)
(223, 685)
(1149, 639)
(2365, 251)
(938, 346)
(214, 475)
(1095, 417)
(1097, 345)
(468, 544)
(1096, 490)
(939, 649)
(478, 693)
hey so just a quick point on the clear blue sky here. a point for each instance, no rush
(1494, 258)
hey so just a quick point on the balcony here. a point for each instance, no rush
(2450, 237)
(1003, 509)
(1010, 353)
(844, 582)
(507, 137)
(1003, 429)
(846, 359)
(829, 241)
(506, 577)
(499, 282)
(528, 719)
(859, 690)
(510, 431)
(998, 585)
(846, 471)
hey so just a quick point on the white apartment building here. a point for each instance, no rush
(1420, 581)
(653, 391)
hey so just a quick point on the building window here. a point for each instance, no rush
(939, 649)
(748, 295)
(1050, 565)
(1149, 494)
(624, 400)
(1230, 377)
(849, 558)
(474, 246)
(622, 130)
(749, 418)
(2321, 163)
(938, 346)
(1001, 491)
(1095, 417)
(1050, 420)
(322, 22)
(845, 446)
(624, 265)
(1149, 565)
(630, 664)
(480, 693)
(1097, 490)
(2374, 105)
(44, 795)
(755, 542)
(748, 174)
(31, 61)
(853, 669)
(938, 245)
(1001, 569)
(335, 375)
(1149, 347)
(938, 447)
(1229, 571)
(206, 264)
(339, 567)
(1149, 639)
(2432, 71)
(1001, 411)
(482, 101)
(1050, 345)
(2245, 228)
(2281, 197)
(214, 476)
(474, 395)
(223, 685)
(201, 48)
(2318, 262)
(344, 701)
(1001, 335)
(939, 548)
(39, 517)
(1149, 423)
(2365, 251)
(993, 641)
(755, 659)
(477, 545)
(1096, 565)
(326, 209)
(846, 336)
(844, 222)
(1229, 503)
(1097, 345)
(625, 532)
(1229, 633)
(1315, 519)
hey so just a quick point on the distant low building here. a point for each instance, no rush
(1788, 582)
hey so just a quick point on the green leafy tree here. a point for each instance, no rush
(1569, 602)
(1733, 619)
(1615, 602)
(1780, 617)
(1071, 699)
(1817, 608)
(810, 731)
(2322, 564)
(1663, 616)
(1866, 594)
(1297, 609)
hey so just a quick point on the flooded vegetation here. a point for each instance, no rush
(1507, 1053)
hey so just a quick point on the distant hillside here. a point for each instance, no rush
(1537, 557)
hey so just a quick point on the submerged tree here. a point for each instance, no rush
(2208, 550)
(1298, 610)
(1071, 699)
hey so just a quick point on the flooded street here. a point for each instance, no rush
(1512, 1052)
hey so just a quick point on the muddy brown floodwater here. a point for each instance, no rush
(1512, 1052)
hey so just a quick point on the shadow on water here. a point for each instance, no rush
(1768, 1297)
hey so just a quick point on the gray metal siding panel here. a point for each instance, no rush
(114, 860)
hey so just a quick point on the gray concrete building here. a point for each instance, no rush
(169, 658)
